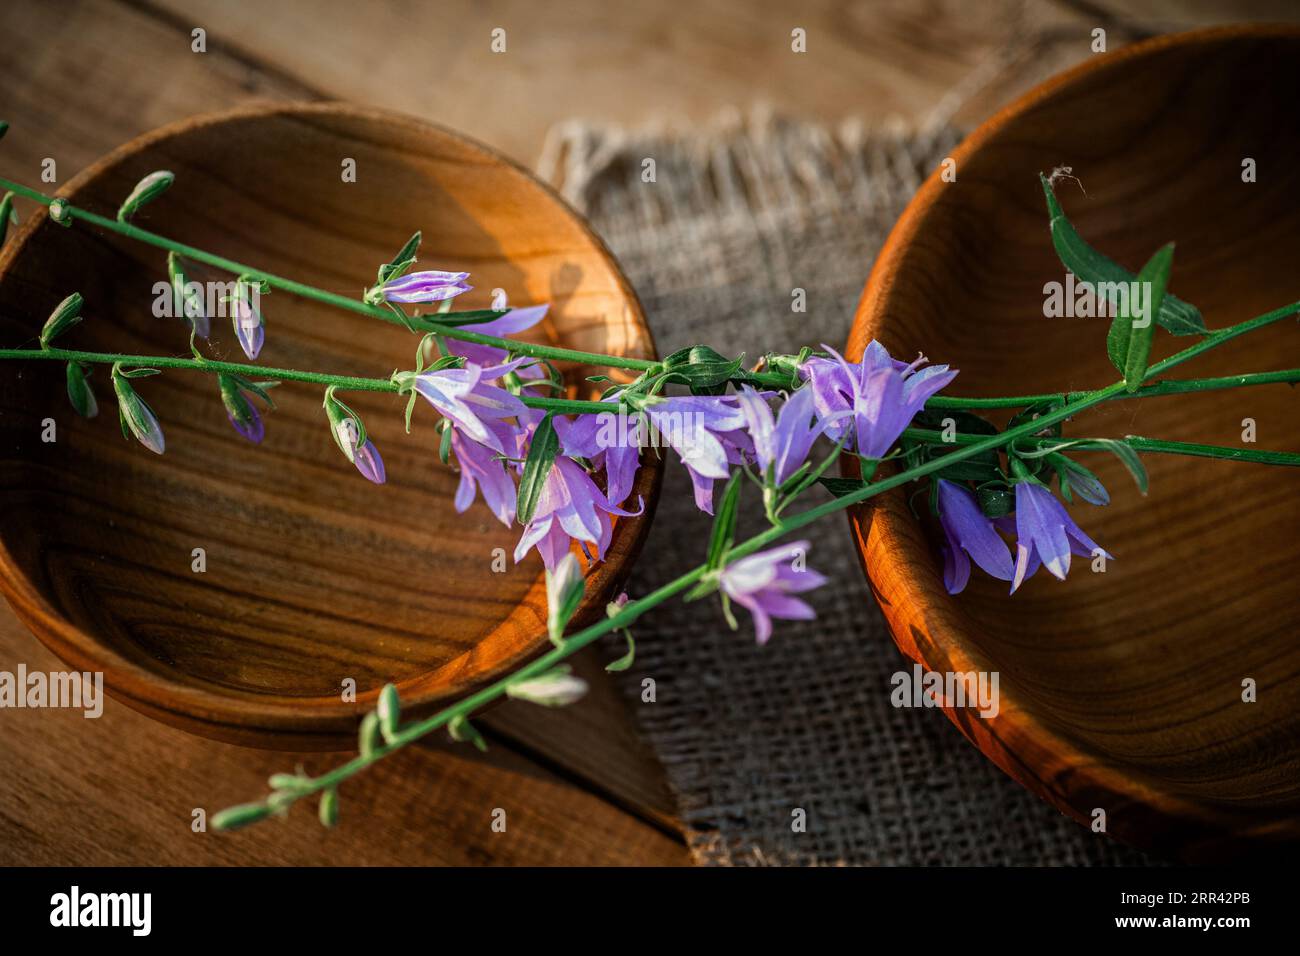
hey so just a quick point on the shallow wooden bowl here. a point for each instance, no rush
(1123, 691)
(314, 575)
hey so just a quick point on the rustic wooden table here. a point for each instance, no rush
(80, 77)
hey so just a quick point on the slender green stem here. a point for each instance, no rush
(428, 324)
(202, 365)
(635, 609)
(424, 323)
(1167, 387)
(1255, 456)
(563, 406)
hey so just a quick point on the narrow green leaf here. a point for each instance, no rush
(400, 262)
(1089, 265)
(624, 662)
(839, 487)
(1152, 280)
(7, 215)
(542, 451)
(724, 523)
(461, 731)
(1122, 450)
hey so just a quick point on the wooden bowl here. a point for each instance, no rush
(1123, 691)
(314, 575)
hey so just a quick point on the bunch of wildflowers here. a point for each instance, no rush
(565, 469)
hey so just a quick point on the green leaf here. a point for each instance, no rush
(1128, 343)
(145, 191)
(461, 731)
(1089, 265)
(466, 317)
(839, 487)
(724, 523)
(542, 452)
(624, 662)
(7, 215)
(1122, 450)
(402, 261)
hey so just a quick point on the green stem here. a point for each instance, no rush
(423, 323)
(633, 610)
(202, 365)
(427, 324)
(1138, 443)
(1167, 387)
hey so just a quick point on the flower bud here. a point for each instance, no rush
(232, 818)
(564, 588)
(79, 391)
(65, 315)
(146, 190)
(555, 688)
(135, 415)
(240, 410)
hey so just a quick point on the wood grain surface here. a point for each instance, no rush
(313, 576)
(81, 77)
(1123, 690)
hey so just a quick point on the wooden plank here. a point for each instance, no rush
(121, 790)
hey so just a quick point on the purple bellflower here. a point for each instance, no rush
(970, 535)
(1045, 534)
(882, 394)
(707, 432)
(482, 469)
(781, 445)
(429, 286)
(765, 585)
(570, 505)
(510, 323)
(463, 397)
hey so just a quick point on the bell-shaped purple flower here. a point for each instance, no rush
(510, 323)
(481, 468)
(882, 394)
(707, 432)
(428, 286)
(971, 535)
(463, 397)
(1045, 534)
(570, 505)
(765, 585)
(781, 444)
(609, 440)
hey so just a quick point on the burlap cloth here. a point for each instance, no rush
(740, 214)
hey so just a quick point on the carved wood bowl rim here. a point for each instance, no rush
(280, 721)
(902, 577)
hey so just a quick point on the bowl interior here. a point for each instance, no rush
(1125, 685)
(313, 574)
